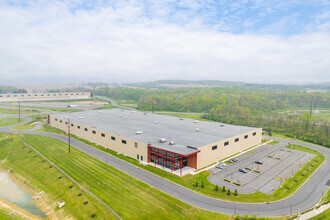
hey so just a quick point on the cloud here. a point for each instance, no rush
(125, 41)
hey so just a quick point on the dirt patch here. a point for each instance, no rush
(130, 105)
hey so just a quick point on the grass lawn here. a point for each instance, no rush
(10, 111)
(109, 106)
(38, 117)
(50, 129)
(189, 181)
(180, 115)
(273, 142)
(26, 126)
(322, 216)
(326, 197)
(322, 115)
(9, 121)
(129, 197)
(31, 124)
(4, 214)
(33, 171)
(127, 103)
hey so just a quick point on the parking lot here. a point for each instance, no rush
(277, 164)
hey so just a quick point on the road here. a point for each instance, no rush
(306, 197)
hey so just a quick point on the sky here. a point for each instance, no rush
(123, 41)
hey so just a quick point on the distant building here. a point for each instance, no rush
(44, 96)
(176, 144)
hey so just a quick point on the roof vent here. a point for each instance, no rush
(156, 122)
(162, 140)
(120, 115)
(80, 117)
(119, 133)
(181, 119)
(139, 132)
(99, 111)
(197, 129)
(145, 113)
(196, 121)
(172, 143)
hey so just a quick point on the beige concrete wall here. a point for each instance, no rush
(205, 157)
(128, 149)
(44, 96)
(208, 156)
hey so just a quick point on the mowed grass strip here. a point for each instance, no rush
(35, 171)
(10, 111)
(9, 121)
(184, 115)
(26, 126)
(129, 197)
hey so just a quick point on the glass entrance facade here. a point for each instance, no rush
(166, 159)
(170, 160)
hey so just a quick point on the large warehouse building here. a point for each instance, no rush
(172, 143)
(43, 96)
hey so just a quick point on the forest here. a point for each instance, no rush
(241, 106)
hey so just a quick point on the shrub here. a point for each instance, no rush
(216, 188)
(236, 193)
(228, 192)
(237, 216)
(223, 189)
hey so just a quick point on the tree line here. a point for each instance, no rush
(238, 106)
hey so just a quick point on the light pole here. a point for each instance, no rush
(69, 134)
(19, 111)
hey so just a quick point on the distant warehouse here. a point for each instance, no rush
(175, 144)
(44, 96)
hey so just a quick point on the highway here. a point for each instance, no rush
(306, 197)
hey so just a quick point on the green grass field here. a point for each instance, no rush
(26, 126)
(322, 216)
(9, 121)
(50, 129)
(10, 111)
(180, 115)
(4, 215)
(31, 169)
(127, 103)
(326, 197)
(109, 106)
(31, 124)
(130, 198)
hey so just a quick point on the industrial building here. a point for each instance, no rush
(44, 96)
(178, 145)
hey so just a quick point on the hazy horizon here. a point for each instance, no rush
(70, 42)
